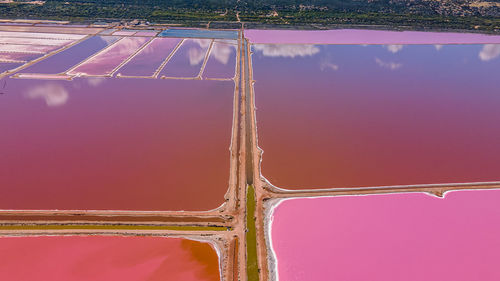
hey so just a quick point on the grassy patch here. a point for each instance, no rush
(252, 265)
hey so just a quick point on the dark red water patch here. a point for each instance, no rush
(103, 258)
(138, 144)
(344, 116)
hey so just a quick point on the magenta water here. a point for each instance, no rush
(108, 60)
(221, 62)
(359, 36)
(188, 59)
(115, 144)
(150, 58)
(390, 237)
(70, 57)
(350, 115)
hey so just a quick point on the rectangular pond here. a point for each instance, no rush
(200, 33)
(377, 115)
(107, 61)
(188, 59)
(104, 258)
(115, 144)
(149, 59)
(389, 237)
(65, 60)
(221, 63)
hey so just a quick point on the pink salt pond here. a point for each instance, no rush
(105, 258)
(146, 62)
(188, 59)
(221, 63)
(393, 237)
(106, 62)
(353, 36)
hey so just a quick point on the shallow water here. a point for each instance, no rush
(360, 36)
(115, 144)
(200, 33)
(352, 115)
(4, 66)
(390, 237)
(150, 58)
(66, 59)
(221, 63)
(188, 59)
(104, 258)
(108, 60)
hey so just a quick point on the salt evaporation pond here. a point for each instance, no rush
(104, 258)
(377, 115)
(114, 144)
(188, 59)
(392, 237)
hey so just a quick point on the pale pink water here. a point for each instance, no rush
(104, 63)
(34, 41)
(18, 56)
(146, 33)
(124, 33)
(18, 48)
(393, 237)
(354, 36)
(39, 33)
(150, 58)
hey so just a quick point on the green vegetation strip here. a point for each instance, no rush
(108, 227)
(252, 264)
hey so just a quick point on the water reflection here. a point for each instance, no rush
(196, 55)
(328, 65)
(53, 94)
(388, 64)
(290, 51)
(222, 52)
(489, 52)
(438, 47)
(394, 48)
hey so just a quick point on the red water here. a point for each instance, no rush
(222, 61)
(150, 58)
(394, 237)
(115, 144)
(105, 258)
(188, 59)
(105, 62)
(344, 116)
